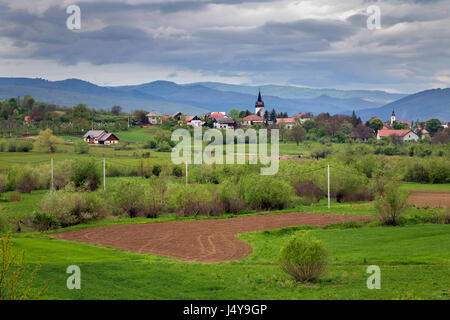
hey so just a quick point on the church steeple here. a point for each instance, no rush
(393, 117)
(259, 106)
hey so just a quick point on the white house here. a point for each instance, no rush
(405, 135)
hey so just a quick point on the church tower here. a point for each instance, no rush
(259, 106)
(392, 117)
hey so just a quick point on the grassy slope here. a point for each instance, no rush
(412, 266)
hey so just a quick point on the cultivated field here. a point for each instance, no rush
(229, 247)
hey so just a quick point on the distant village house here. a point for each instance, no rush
(100, 137)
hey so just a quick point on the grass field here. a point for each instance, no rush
(412, 267)
(414, 259)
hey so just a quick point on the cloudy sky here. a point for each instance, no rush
(318, 43)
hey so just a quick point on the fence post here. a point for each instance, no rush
(186, 173)
(104, 174)
(53, 186)
(328, 186)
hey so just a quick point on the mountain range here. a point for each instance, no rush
(198, 98)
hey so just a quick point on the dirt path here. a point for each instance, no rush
(422, 198)
(198, 240)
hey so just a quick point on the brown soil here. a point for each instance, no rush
(422, 198)
(198, 240)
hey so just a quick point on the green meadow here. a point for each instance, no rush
(412, 266)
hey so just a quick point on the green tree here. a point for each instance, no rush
(376, 124)
(47, 141)
(399, 126)
(234, 113)
(298, 133)
(433, 126)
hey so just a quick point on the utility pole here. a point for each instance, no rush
(53, 188)
(104, 174)
(128, 120)
(186, 174)
(328, 186)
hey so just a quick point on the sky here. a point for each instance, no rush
(319, 43)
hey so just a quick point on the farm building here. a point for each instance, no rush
(253, 119)
(100, 137)
(193, 121)
(224, 123)
(289, 122)
(154, 118)
(405, 135)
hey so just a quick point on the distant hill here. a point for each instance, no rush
(73, 91)
(424, 105)
(198, 98)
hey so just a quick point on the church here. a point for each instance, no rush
(259, 106)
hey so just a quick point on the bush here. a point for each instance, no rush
(5, 226)
(27, 180)
(156, 197)
(304, 258)
(130, 198)
(231, 198)
(24, 146)
(391, 205)
(177, 171)
(198, 199)
(16, 276)
(164, 147)
(156, 170)
(81, 147)
(308, 190)
(3, 183)
(45, 221)
(85, 174)
(70, 208)
(265, 192)
(150, 144)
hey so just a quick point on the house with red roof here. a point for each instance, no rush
(405, 135)
(193, 121)
(289, 122)
(217, 115)
(253, 119)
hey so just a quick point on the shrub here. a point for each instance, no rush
(150, 144)
(27, 180)
(177, 171)
(231, 198)
(391, 205)
(85, 173)
(130, 198)
(308, 190)
(3, 183)
(156, 170)
(265, 192)
(155, 198)
(24, 146)
(81, 147)
(304, 258)
(12, 146)
(5, 226)
(45, 221)
(198, 199)
(164, 147)
(16, 277)
(70, 208)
